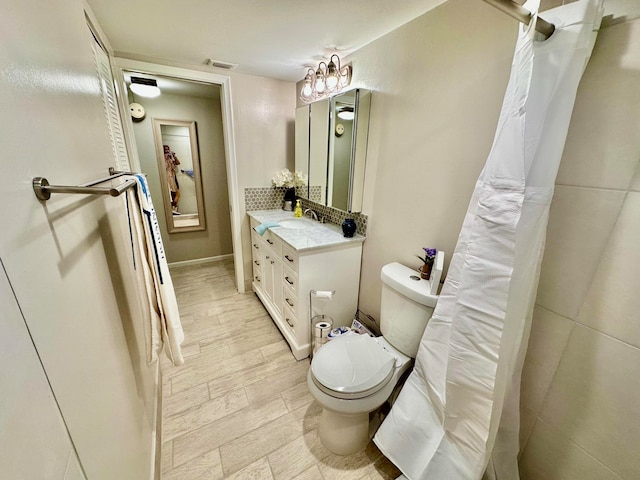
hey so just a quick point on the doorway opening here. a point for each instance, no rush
(189, 123)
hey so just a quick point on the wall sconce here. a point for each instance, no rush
(326, 80)
(145, 87)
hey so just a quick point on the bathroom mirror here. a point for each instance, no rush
(176, 143)
(331, 145)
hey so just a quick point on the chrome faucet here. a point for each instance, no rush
(313, 215)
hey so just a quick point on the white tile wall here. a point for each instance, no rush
(527, 422)
(549, 335)
(580, 223)
(581, 380)
(551, 456)
(635, 181)
(612, 305)
(593, 399)
(588, 160)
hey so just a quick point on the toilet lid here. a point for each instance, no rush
(352, 366)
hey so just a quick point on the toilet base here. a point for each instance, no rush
(344, 434)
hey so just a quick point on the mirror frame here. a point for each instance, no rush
(197, 177)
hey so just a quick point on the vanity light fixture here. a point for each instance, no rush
(325, 80)
(145, 87)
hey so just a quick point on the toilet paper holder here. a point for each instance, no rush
(319, 317)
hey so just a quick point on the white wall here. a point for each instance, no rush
(69, 260)
(438, 84)
(264, 122)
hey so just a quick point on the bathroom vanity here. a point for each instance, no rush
(296, 257)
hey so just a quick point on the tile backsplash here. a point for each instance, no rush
(268, 198)
(263, 198)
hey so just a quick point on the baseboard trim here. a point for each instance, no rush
(197, 261)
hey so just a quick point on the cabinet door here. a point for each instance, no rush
(276, 269)
(272, 283)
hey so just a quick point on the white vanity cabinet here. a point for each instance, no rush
(288, 264)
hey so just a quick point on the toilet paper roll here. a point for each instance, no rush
(322, 329)
(324, 294)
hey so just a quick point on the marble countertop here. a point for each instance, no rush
(318, 236)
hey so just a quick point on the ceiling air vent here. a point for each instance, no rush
(218, 64)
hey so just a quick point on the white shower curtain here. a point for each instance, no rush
(457, 414)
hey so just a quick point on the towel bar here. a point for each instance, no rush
(43, 189)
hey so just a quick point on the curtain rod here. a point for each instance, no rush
(522, 15)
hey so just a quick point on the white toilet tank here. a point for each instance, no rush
(405, 307)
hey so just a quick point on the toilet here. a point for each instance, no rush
(354, 375)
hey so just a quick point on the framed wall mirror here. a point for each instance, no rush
(331, 145)
(176, 143)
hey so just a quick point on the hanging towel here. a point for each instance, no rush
(162, 327)
(263, 227)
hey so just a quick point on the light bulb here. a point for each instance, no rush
(307, 87)
(320, 85)
(332, 76)
(307, 90)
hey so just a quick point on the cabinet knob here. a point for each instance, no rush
(267, 256)
(256, 262)
(288, 281)
(257, 278)
(269, 242)
(272, 262)
(287, 257)
(289, 322)
(289, 302)
(255, 246)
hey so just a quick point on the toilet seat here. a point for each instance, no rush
(353, 366)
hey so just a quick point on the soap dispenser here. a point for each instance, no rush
(298, 212)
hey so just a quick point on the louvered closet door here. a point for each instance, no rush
(111, 111)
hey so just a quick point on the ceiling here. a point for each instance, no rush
(269, 38)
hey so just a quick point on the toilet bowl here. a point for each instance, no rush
(354, 375)
(350, 377)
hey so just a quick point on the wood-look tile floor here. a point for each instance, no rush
(239, 407)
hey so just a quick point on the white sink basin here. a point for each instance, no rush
(296, 223)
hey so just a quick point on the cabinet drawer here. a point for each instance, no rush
(273, 242)
(290, 258)
(257, 260)
(257, 277)
(289, 318)
(256, 243)
(290, 280)
(289, 299)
